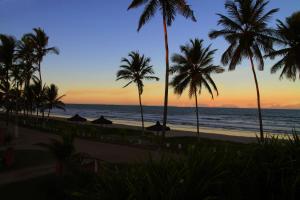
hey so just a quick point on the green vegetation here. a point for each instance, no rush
(207, 170)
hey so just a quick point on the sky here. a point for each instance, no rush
(94, 35)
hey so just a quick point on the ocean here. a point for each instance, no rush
(228, 121)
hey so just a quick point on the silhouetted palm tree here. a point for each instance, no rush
(27, 59)
(39, 96)
(193, 69)
(246, 30)
(52, 99)
(136, 69)
(63, 150)
(288, 37)
(168, 9)
(7, 61)
(40, 39)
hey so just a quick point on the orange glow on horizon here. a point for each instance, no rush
(153, 95)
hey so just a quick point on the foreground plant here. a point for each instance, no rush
(63, 150)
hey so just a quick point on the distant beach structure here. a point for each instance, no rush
(101, 120)
(77, 118)
(183, 118)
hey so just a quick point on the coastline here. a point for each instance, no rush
(226, 136)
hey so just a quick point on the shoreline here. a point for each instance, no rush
(174, 132)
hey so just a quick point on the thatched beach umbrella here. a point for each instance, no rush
(101, 120)
(77, 118)
(157, 127)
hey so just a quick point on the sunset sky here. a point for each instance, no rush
(93, 35)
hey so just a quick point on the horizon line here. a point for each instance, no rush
(237, 107)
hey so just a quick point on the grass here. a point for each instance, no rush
(116, 135)
(29, 158)
(267, 171)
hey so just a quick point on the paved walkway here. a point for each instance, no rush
(103, 151)
(113, 153)
(24, 174)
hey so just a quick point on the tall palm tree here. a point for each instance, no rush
(247, 32)
(27, 59)
(168, 9)
(193, 69)
(7, 53)
(39, 96)
(288, 37)
(52, 99)
(41, 40)
(136, 69)
(7, 61)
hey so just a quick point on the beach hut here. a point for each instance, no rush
(101, 120)
(77, 118)
(157, 127)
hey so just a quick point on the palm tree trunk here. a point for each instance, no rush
(258, 101)
(142, 113)
(7, 116)
(40, 73)
(197, 113)
(48, 113)
(166, 78)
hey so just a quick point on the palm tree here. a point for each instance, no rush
(63, 151)
(39, 96)
(27, 59)
(40, 40)
(53, 100)
(169, 9)
(193, 69)
(135, 70)
(288, 36)
(7, 61)
(246, 30)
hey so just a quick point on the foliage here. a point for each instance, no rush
(268, 170)
(20, 89)
(288, 37)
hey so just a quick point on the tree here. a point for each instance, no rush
(41, 49)
(288, 37)
(52, 99)
(7, 61)
(193, 69)
(136, 69)
(27, 59)
(63, 151)
(169, 9)
(39, 97)
(247, 32)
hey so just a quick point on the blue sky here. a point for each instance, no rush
(93, 35)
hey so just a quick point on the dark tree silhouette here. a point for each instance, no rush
(169, 9)
(288, 37)
(136, 69)
(247, 32)
(193, 69)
